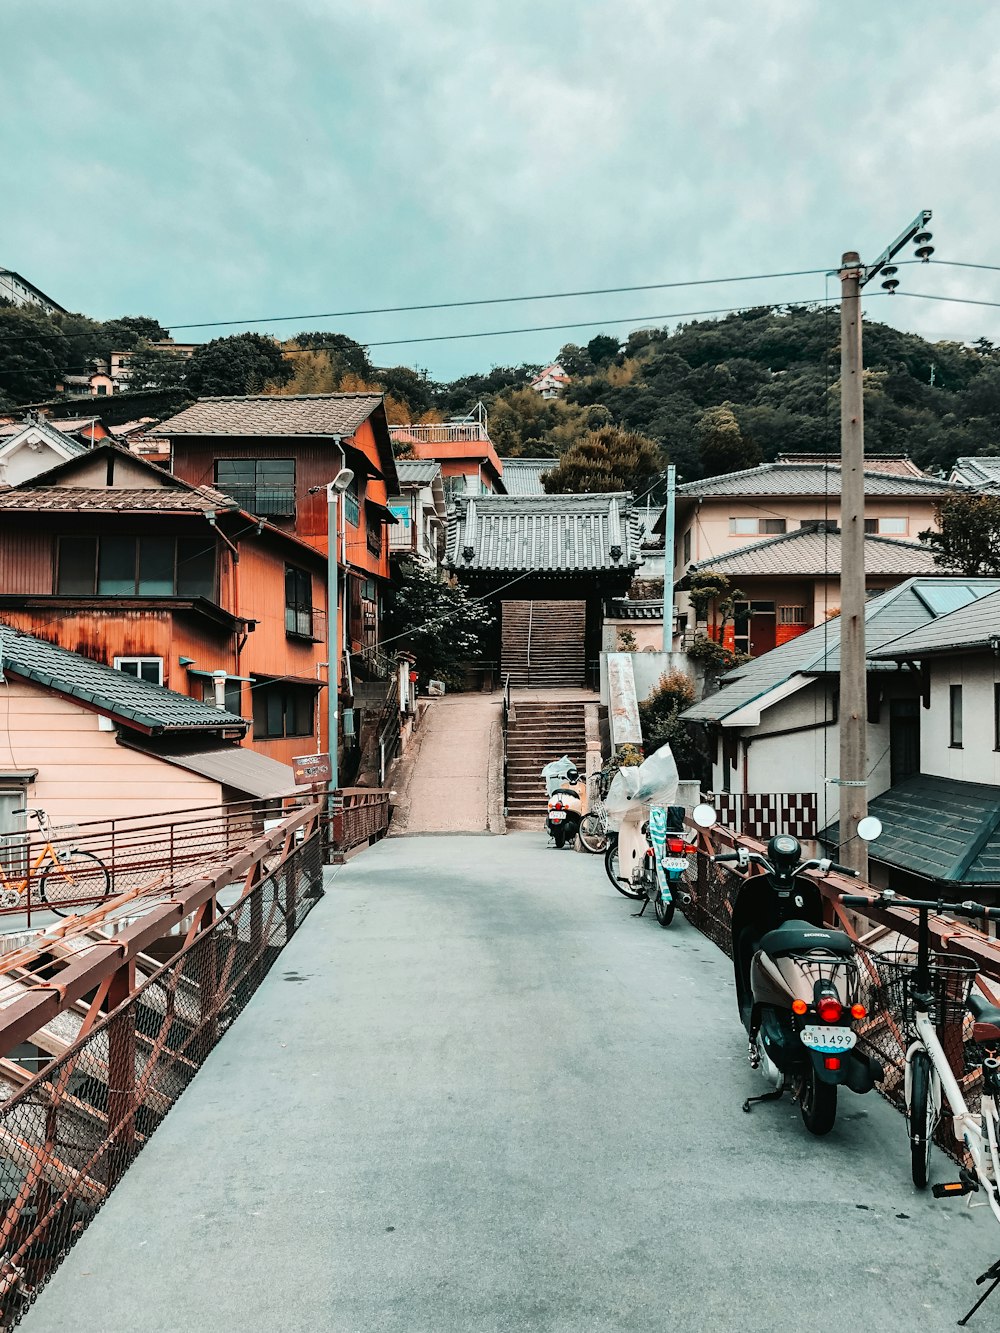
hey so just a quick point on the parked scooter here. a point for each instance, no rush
(648, 859)
(796, 980)
(565, 809)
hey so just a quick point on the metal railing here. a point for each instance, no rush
(69, 1133)
(360, 817)
(506, 724)
(465, 432)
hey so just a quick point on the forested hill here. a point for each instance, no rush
(732, 392)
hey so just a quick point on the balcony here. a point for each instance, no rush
(447, 432)
(266, 501)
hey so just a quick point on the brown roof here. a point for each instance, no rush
(812, 552)
(81, 499)
(894, 465)
(308, 414)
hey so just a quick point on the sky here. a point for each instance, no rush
(207, 160)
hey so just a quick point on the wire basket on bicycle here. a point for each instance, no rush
(952, 979)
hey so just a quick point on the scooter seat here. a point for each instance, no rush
(800, 937)
(983, 1011)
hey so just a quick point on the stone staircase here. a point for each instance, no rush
(544, 643)
(540, 732)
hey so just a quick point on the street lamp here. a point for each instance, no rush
(334, 489)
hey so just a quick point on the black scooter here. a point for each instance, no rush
(796, 981)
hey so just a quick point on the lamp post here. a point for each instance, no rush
(334, 489)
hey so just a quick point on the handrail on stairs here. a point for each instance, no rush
(506, 722)
(531, 611)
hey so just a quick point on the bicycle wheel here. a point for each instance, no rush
(78, 875)
(921, 1119)
(623, 886)
(592, 835)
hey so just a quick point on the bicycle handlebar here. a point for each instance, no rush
(887, 898)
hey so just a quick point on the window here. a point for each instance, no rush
(282, 709)
(265, 486)
(887, 527)
(686, 557)
(352, 506)
(143, 668)
(298, 602)
(955, 700)
(791, 615)
(115, 566)
(233, 695)
(755, 527)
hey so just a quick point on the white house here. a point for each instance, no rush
(34, 447)
(419, 509)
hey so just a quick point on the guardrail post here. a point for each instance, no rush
(121, 1073)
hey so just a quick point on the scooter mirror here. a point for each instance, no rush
(704, 815)
(869, 828)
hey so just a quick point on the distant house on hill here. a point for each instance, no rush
(15, 288)
(551, 381)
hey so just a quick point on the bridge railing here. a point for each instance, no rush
(883, 1032)
(68, 1133)
(360, 817)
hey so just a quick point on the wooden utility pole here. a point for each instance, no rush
(853, 680)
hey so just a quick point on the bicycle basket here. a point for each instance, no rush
(952, 978)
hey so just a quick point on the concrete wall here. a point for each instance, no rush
(977, 759)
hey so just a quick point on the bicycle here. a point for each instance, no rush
(595, 829)
(67, 874)
(931, 989)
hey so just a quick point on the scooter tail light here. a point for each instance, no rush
(829, 1009)
(858, 1011)
(799, 1007)
(831, 1062)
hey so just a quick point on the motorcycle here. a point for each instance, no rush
(647, 860)
(565, 807)
(796, 979)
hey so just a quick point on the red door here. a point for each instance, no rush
(762, 631)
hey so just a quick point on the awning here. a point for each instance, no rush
(244, 770)
(381, 511)
(359, 462)
(291, 680)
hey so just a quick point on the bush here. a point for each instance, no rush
(714, 657)
(626, 641)
(662, 725)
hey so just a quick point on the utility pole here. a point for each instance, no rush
(853, 779)
(668, 561)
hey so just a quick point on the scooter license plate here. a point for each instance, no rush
(828, 1039)
(557, 816)
(674, 863)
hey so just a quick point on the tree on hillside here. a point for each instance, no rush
(154, 368)
(526, 425)
(609, 459)
(721, 444)
(969, 538)
(33, 354)
(344, 354)
(243, 363)
(603, 349)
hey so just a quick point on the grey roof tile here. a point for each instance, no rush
(523, 476)
(808, 551)
(808, 479)
(970, 627)
(318, 414)
(548, 533)
(982, 472)
(417, 471)
(126, 698)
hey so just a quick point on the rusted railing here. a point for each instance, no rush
(360, 817)
(883, 1031)
(68, 1133)
(104, 857)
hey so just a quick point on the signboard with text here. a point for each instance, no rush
(310, 768)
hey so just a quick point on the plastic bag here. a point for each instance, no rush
(654, 782)
(555, 773)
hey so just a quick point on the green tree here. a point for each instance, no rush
(243, 363)
(435, 620)
(524, 424)
(609, 459)
(660, 717)
(969, 536)
(602, 349)
(721, 444)
(154, 368)
(344, 354)
(33, 354)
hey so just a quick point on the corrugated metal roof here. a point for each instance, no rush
(812, 552)
(308, 414)
(817, 652)
(245, 770)
(970, 627)
(934, 826)
(548, 533)
(126, 698)
(417, 471)
(523, 476)
(807, 479)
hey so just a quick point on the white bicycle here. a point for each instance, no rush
(930, 990)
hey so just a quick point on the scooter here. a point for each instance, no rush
(565, 808)
(796, 980)
(648, 860)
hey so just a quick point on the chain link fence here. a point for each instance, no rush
(67, 1137)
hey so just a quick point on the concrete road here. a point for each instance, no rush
(476, 1094)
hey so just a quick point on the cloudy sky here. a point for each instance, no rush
(203, 160)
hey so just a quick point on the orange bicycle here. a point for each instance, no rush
(64, 875)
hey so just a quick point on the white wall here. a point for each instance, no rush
(977, 760)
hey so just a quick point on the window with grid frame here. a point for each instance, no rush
(131, 566)
(143, 668)
(757, 527)
(264, 486)
(352, 503)
(791, 615)
(298, 602)
(887, 527)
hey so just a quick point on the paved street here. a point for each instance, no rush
(476, 1094)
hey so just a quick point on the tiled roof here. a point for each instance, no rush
(269, 415)
(625, 609)
(67, 426)
(938, 827)
(807, 479)
(549, 533)
(150, 707)
(523, 476)
(808, 551)
(899, 465)
(817, 652)
(416, 471)
(82, 499)
(970, 627)
(981, 472)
